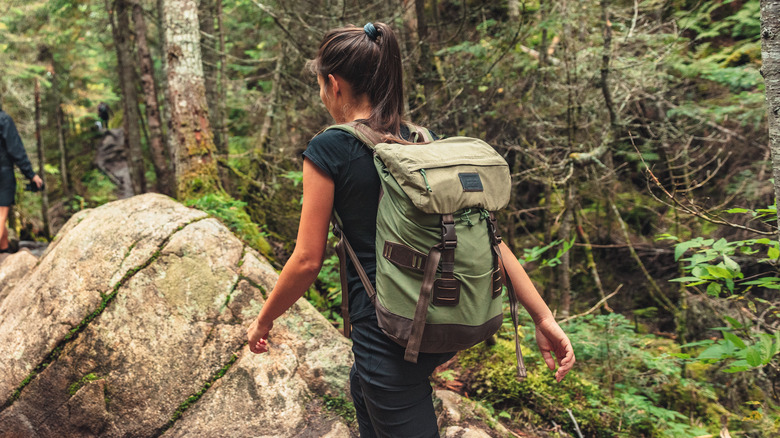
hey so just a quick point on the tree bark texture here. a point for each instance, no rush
(223, 128)
(121, 31)
(770, 70)
(272, 104)
(63, 151)
(514, 9)
(564, 269)
(159, 152)
(41, 162)
(208, 45)
(424, 64)
(193, 142)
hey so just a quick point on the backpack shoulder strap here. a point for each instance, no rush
(419, 134)
(360, 131)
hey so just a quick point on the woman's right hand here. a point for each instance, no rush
(257, 333)
(552, 339)
(38, 181)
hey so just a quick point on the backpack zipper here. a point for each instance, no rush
(425, 178)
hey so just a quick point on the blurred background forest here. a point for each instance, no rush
(636, 131)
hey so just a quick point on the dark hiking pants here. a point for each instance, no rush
(392, 397)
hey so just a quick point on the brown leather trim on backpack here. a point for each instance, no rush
(421, 311)
(404, 256)
(439, 338)
(444, 251)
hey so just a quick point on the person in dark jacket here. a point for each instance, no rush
(11, 153)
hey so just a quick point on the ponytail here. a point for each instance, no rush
(369, 58)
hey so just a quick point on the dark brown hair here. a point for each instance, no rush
(371, 66)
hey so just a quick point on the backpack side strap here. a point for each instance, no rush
(448, 284)
(344, 249)
(495, 239)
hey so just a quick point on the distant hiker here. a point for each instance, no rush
(359, 73)
(103, 114)
(11, 153)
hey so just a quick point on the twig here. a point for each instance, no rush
(690, 210)
(633, 20)
(576, 425)
(595, 306)
(278, 22)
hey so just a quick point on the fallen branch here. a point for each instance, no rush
(595, 306)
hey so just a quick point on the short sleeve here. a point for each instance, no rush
(331, 151)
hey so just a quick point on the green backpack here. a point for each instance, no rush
(439, 270)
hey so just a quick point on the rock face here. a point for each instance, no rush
(133, 324)
(12, 268)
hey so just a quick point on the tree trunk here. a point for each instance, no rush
(424, 64)
(163, 80)
(409, 51)
(770, 70)
(564, 270)
(222, 107)
(159, 152)
(514, 9)
(193, 142)
(272, 104)
(208, 45)
(41, 162)
(61, 145)
(124, 57)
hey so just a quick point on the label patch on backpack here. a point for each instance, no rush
(471, 182)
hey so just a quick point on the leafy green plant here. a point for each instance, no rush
(624, 383)
(537, 253)
(712, 263)
(231, 212)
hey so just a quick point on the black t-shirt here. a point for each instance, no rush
(350, 164)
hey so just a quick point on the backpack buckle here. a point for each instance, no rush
(448, 238)
(495, 238)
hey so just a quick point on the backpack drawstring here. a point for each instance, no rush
(425, 178)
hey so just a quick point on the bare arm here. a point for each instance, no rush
(303, 266)
(549, 335)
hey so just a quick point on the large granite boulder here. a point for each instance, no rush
(13, 268)
(133, 324)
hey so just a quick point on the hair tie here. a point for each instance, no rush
(371, 31)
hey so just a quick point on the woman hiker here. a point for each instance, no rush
(11, 153)
(360, 77)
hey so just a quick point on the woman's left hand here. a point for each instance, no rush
(257, 334)
(552, 339)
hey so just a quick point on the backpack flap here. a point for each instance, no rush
(448, 175)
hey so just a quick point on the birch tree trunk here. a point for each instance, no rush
(770, 70)
(121, 31)
(160, 159)
(191, 136)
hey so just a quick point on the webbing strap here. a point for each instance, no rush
(343, 276)
(343, 248)
(449, 240)
(421, 311)
(513, 304)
